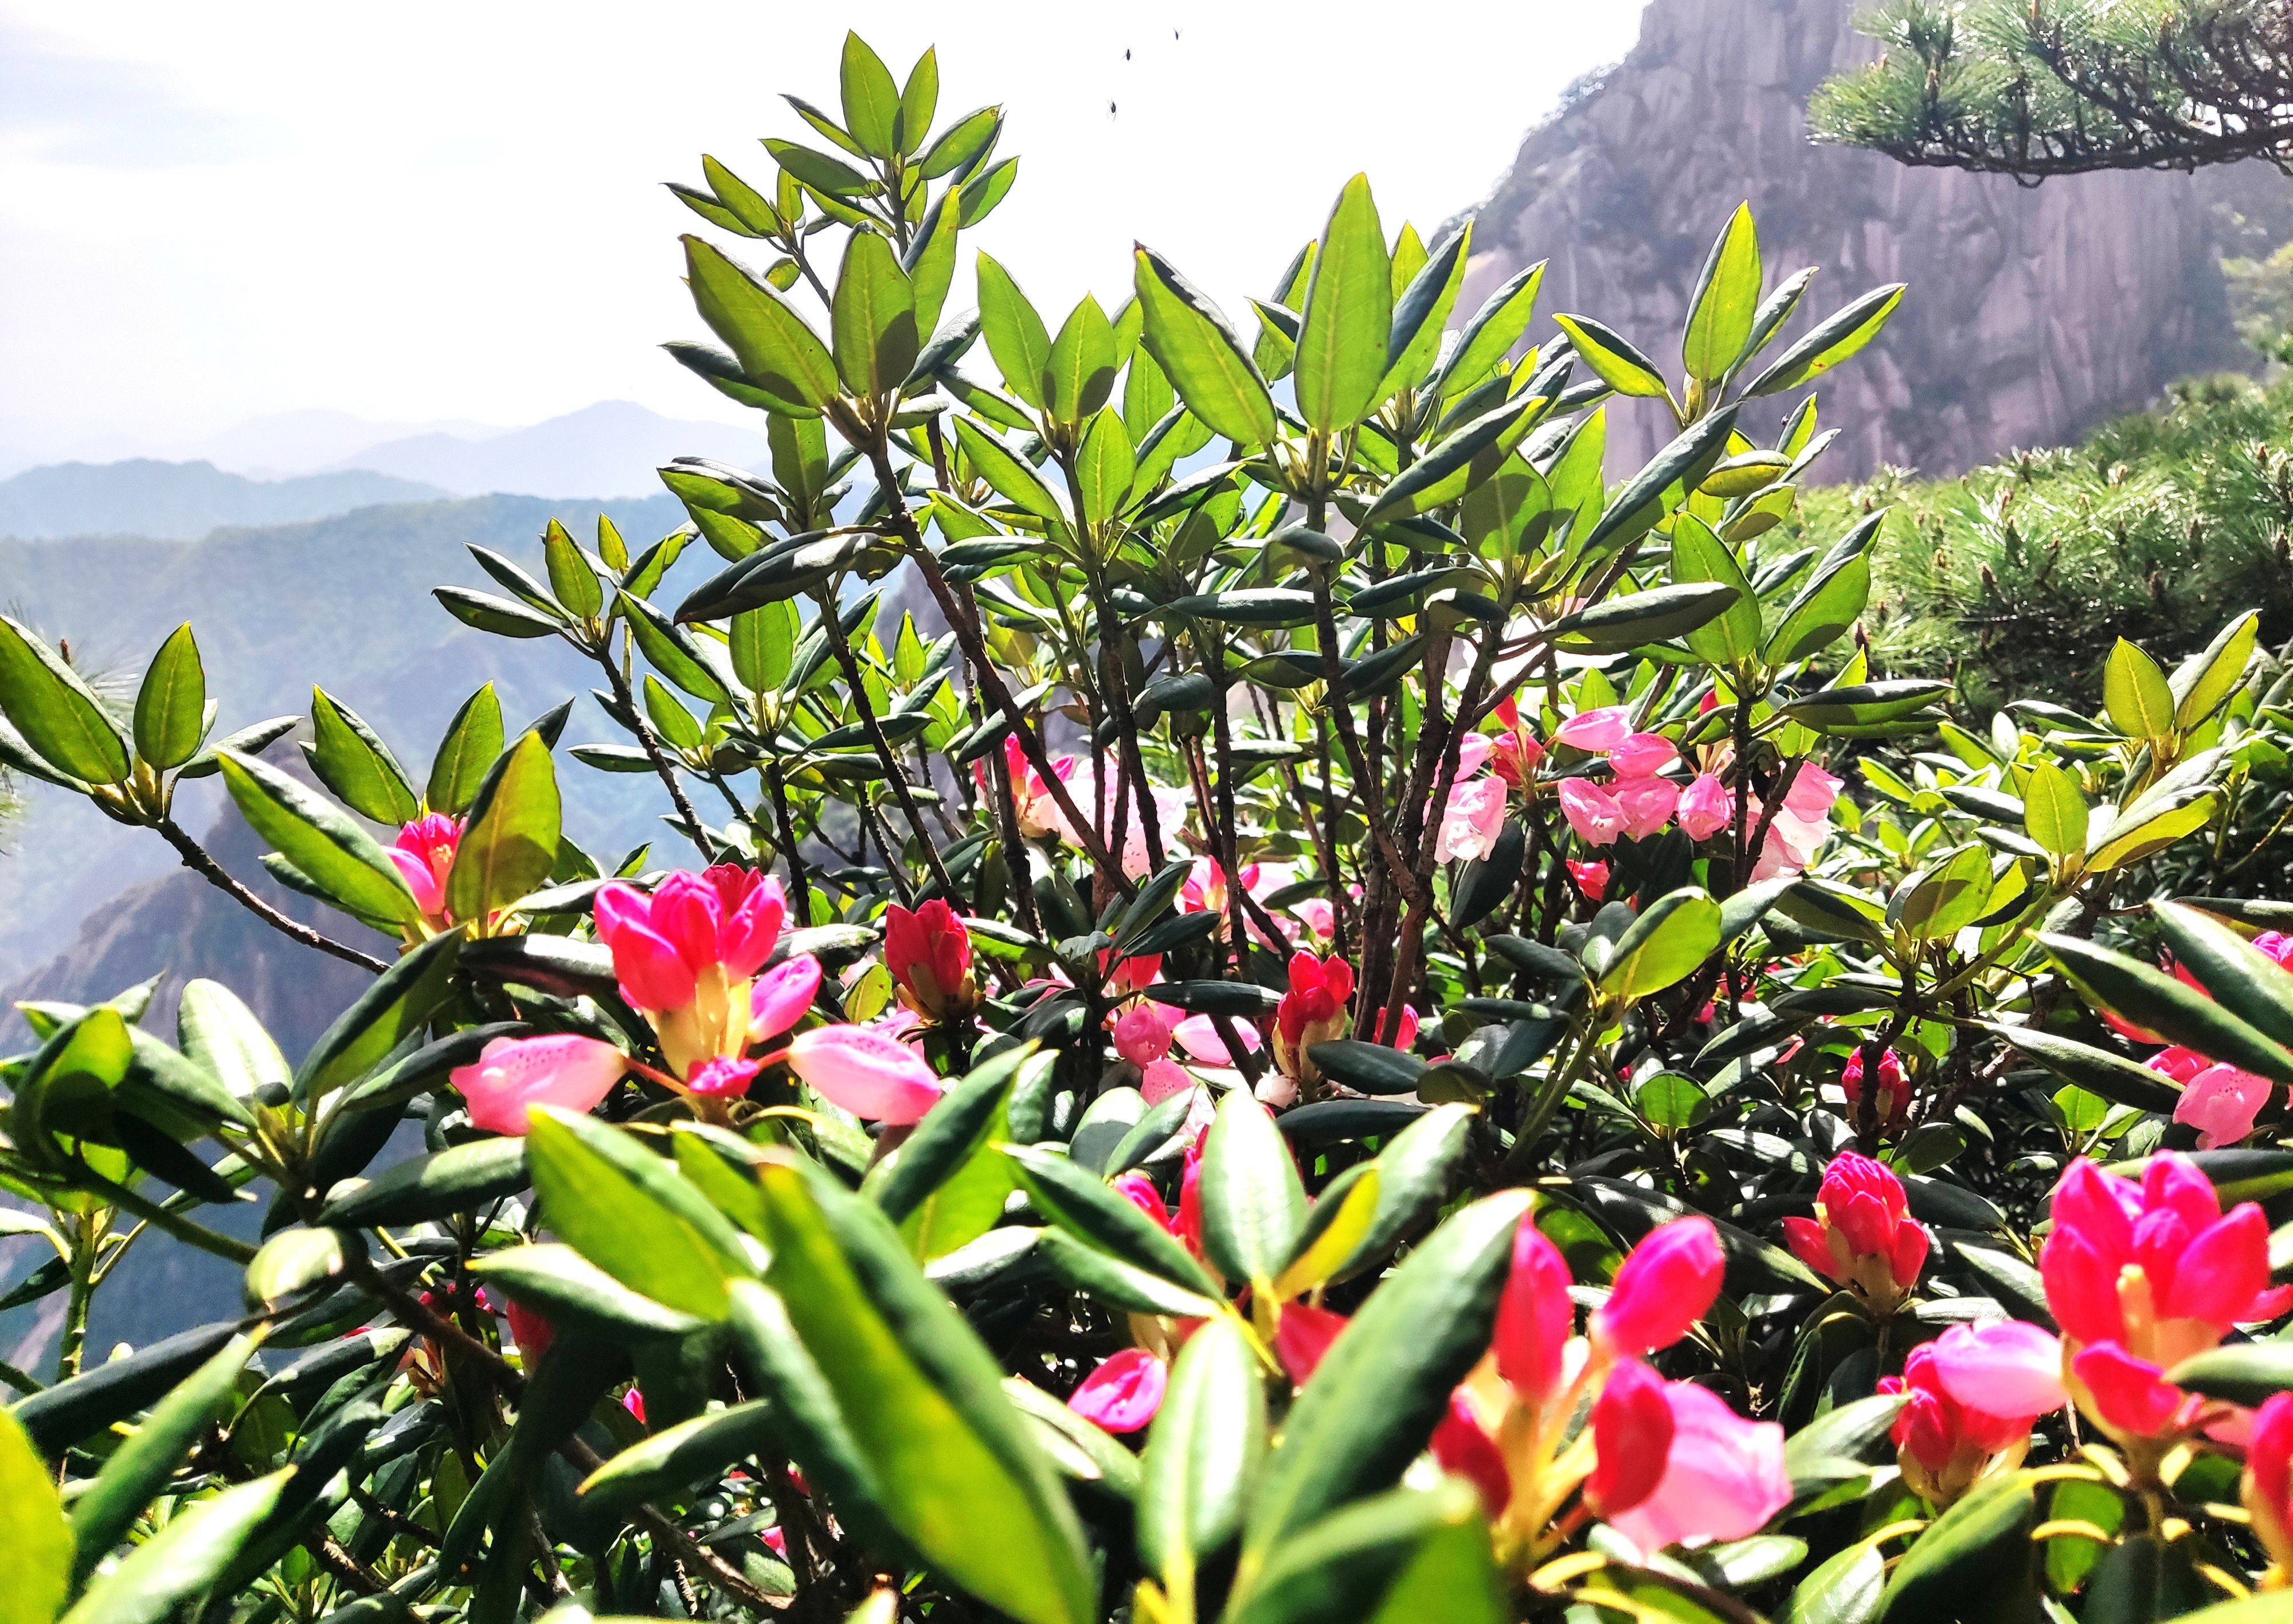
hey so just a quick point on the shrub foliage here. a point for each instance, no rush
(1310, 1035)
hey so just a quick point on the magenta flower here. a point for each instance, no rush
(929, 953)
(685, 954)
(1534, 1317)
(1665, 1284)
(1942, 1446)
(512, 1075)
(1123, 1393)
(1862, 1234)
(1632, 1431)
(2268, 1493)
(782, 995)
(424, 857)
(2001, 1367)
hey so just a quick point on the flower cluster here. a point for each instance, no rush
(1863, 1234)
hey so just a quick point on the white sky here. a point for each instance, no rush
(428, 211)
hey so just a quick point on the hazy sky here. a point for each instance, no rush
(427, 211)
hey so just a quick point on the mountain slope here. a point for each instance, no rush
(608, 449)
(2031, 314)
(180, 500)
(343, 602)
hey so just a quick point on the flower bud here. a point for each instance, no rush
(1665, 1286)
(929, 953)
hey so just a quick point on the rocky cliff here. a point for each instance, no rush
(2032, 313)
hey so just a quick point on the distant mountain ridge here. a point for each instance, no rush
(605, 450)
(181, 501)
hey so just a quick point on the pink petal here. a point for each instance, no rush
(1592, 812)
(2220, 1103)
(1595, 730)
(782, 995)
(1642, 755)
(873, 1077)
(1724, 1476)
(1665, 1284)
(1123, 1393)
(1647, 804)
(512, 1075)
(2002, 1367)
(429, 895)
(1706, 809)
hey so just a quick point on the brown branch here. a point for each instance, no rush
(196, 858)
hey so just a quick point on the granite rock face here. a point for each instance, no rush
(2033, 311)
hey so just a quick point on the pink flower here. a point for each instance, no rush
(1642, 755)
(1592, 879)
(1471, 822)
(2001, 1367)
(2268, 1493)
(1312, 1011)
(1405, 1029)
(1534, 1317)
(1597, 731)
(1724, 1476)
(1319, 916)
(1171, 809)
(1473, 753)
(1647, 804)
(1667, 1283)
(1894, 1091)
(929, 953)
(1460, 1446)
(685, 954)
(1706, 809)
(1942, 1446)
(1517, 752)
(783, 994)
(2181, 1065)
(1142, 1032)
(2130, 1397)
(1123, 1393)
(1139, 1191)
(864, 1072)
(424, 857)
(1129, 976)
(1632, 1430)
(1198, 1035)
(1591, 811)
(1862, 1234)
(512, 1075)
(718, 1078)
(1811, 793)
(634, 1403)
(2220, 1103)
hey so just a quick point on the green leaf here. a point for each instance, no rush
(1081, 1204)
(474, 738)
(778, 353)
(1386, 1380)
(632, 1214)
(393, 1008)
(1016, 335)
(294, 1260)
(1470, 455)
(1196, 348)
(1967, 1554)
(1079, 375)
(2244, 980)
(2135, 694)
(919, 102)
(427, 1189)
(1253, 1206)
(571, 578)
(1619, 623)
(1493, 330)
(1203, 1453)
(557, 1281)
(350, 759)
(140, 1468)
(2054, 811)
(873, 318)
(1012, 478)
(1425, 1553)
(949, 1462)
(2210, 676)
(2241, 1373)
(171, 707)
(1342, 329)
(961, 144)
(156, 1580)
(1611, 358)
(2098, 1071)
(946, 1185)
(1420, 313)
(1830, 342)
(1727, 295)
(669, 1464)
(1732, 640)
(339, 856)
(1105, 466)
(1649, 494)
(1667, 943)
(36, 1542)
(2159, 1002)
(871, 103)
(1824, 609)
(509, 842)
(57, 714)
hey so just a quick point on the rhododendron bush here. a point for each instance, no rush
(1262, 994)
